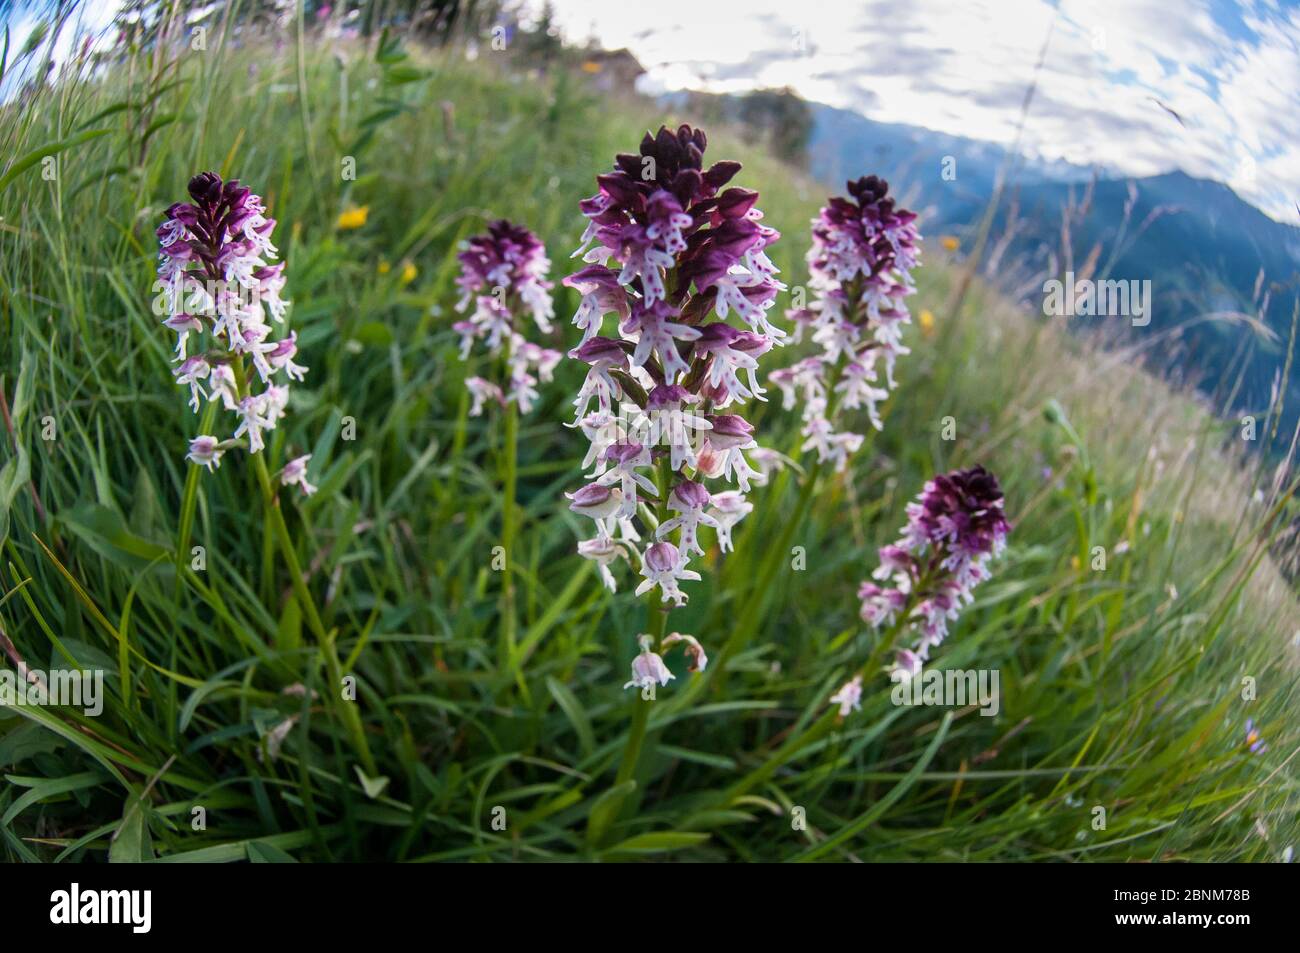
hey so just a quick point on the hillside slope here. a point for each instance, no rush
(1121, 686)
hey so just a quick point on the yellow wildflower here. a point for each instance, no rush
(926, 320)
(354, 217)
(949, 242)
(408, 273)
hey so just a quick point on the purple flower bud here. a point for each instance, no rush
(648, 668)
(596, 500)
(715, 393)
(736, 203)
(601, 350)
(591, 278)
(623, 453)
(734, 237)
(751, 343)
(719, 174)
(661, 557)
(666, 395)
(717, 334)
(730, 430)
(205, 188)
(691, 495)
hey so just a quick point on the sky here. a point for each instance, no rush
(93, 19)
(1114, 75)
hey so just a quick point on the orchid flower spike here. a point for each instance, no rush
(502, 279)
(216, 283)
(864, 249)
(680, 260)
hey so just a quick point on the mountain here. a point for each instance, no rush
(1224, 276)
(844, 142)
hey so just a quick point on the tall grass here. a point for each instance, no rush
(1121, 687)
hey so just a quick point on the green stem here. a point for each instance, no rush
(509, 480)
(347, 711)
(190, 498)
(635, 740)
(656, 624)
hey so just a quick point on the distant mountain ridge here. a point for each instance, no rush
(1206, 250)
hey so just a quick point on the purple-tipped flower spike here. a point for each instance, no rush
(860, 266)
(511, 258)
(680, 260)
(954, 528)
(215, 283)
(503, 276)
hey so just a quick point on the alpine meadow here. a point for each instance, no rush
(420, 448)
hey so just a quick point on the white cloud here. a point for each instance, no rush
(964, 68)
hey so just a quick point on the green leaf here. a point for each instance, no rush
(400, 75)
(658, 842)
(261, 852)
(104, 530)
(380, 116)
(43, 788)
(88, 657)
(158, 123)
(4, 57)
(53, 148)
(98, 177)
(706, 758)
(27, 739)
(17, 469)
(877, 810)
(132, 843)
(372, 786)
(375, 334)
(573, 710)
(288, 633)
(105, 113)
(601, 813)
(389, 49)
(235, 851)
